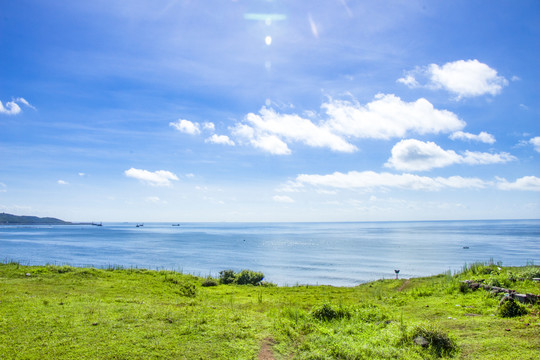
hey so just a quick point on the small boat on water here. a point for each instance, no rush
(175, 224)
(139, 225)
(465, 247)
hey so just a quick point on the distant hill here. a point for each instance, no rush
(8, 219)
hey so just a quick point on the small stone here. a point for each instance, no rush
(94, 324)
(506, 329)
(28, 274)
(422, 341)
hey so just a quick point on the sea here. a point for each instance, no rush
(289, 254)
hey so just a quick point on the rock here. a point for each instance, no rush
(28, 274)
(531, 298)
(474, 286)
(536, 279)
(422, 341)
(520, 298)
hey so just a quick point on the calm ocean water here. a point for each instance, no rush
(341, 254)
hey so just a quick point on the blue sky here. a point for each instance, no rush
(270, 110)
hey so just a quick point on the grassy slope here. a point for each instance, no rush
(65, 313)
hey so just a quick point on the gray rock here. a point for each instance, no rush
(531, 298)
(422, 341)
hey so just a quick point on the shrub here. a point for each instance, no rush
(326, 312)
(437, 342)
(187, 289)
(209, 282)
(510, 308)
(464, 288)
(245, 277)
(248, 277)
(227, 277)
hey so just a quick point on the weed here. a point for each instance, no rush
(209, 282)
(326, 312)
(510, 308)
(434, 339)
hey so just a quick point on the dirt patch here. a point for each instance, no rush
(404, 285)
(266, 352)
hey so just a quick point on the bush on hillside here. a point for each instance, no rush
(245, 277)
(326, 312)
(248, 277)
(510, 308)
(434, 340)
(209, 282)
(227, 277)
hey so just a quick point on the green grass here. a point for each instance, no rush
(64, 312)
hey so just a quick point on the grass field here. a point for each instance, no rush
(62, 312)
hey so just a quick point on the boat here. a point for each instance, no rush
(139, 225)
(465, 247)
(175, 224)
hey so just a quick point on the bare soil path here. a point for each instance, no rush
(266, 350)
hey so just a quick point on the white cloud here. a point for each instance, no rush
(479, 158)
(416, 155)
(154, 200)
(535, 141)
(465, 78)
(313, 27)
(81, 174)
(526, 183)
(272, 144)
(186, 127)
(209, 126)
(11, 108)
(482, 137)
(24, 102)
(220, 139)
(373, 180)
(271, 131)
(290, 186)
(283, 199)
(156, 178)
(62, 182)
(387, 117)
(409, 81)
